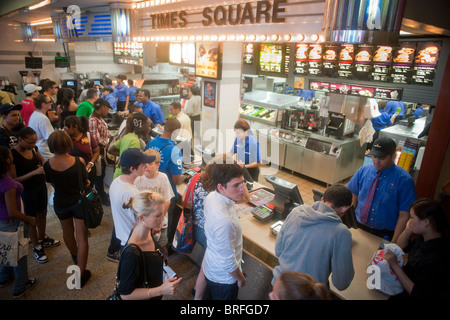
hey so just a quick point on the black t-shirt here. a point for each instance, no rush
(7, 138)
(24, 166)
(131, 274)
(427, 266)
(67, 186)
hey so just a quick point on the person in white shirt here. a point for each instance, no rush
(133, 162)
(185, 130)
(222, 260)
(156, 181)
(41, 124)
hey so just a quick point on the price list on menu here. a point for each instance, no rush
(402, 61)
(315, 59)
(329, 59)
(425, 63)
(363, 62)
(345, 61)
(301, 58)
(382, 63)
(287, 58)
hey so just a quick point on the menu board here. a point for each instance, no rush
(188, 53)
(175, 53)
(425, 62)
(128, 52)
(315, 59)
(382, 59)
(271, 57)
(329, 59)
(248, 53)
(208, 60)
(301, 58)
(363, 62)
(402, 61)
(287, 58)
(345, 61)
(356, 90)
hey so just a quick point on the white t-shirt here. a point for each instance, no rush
(43, 127)
(124, 219)
(223, 232)
(160, 184)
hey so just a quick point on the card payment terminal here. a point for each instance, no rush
(263, 212)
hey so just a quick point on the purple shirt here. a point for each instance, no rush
(7, 183)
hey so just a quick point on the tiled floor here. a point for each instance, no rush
(52, 276)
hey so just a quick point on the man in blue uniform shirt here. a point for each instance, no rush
(151, 109)
(382, 192)
(131, 92)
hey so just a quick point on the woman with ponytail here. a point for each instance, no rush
(292, 285)
(148, 208)
(65, 104)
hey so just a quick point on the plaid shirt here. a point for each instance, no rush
(99, 129)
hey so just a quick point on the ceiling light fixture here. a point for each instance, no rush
(39, 5)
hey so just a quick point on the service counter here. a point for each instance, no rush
(400, 132)
(259, 258)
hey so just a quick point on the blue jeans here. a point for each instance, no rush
(200, 236)
(220, 291)
(20, 272)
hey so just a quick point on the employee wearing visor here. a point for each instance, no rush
(246, 146)
(382, 192)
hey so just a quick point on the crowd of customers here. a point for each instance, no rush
(44, 154)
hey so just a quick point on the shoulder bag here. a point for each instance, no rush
(13, 246)
(184, 239)
(91, 203)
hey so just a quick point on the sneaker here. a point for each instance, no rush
(114, 257)
(49, 242)
(30, 285)
(39, 254)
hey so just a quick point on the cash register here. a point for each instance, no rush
(287, 197)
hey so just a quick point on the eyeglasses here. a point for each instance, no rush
(29, 142)
(55, 87)
(47, 102)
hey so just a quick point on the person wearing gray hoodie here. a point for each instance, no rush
(314, 240)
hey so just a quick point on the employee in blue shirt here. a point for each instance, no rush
(121, 92)
(131, 92)
(392, 106)
(151, 109)
(246, 146)
(388, 211)
(108, 94)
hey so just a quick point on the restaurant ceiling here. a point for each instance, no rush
(416, 20)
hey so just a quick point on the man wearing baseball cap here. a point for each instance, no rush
(382, 192)
(31, 91)
(11, 117)
(133, 162)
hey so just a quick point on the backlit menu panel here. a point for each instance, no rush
(329, 60)
(315, 59)
(382, 59)
(301, 58)
(425, 62)
(402, 62)
(345, 61)
(363, 62)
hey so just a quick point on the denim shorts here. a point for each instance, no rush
(220, 291)
(35, 200)
(74, 211)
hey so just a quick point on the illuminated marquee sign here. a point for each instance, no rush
(234, 14)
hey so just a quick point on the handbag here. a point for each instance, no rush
(184, 239)
(115, 295)
(91, 203)
(13, 246)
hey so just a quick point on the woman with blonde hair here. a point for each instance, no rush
(148, 208)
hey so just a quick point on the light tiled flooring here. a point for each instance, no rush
(52, 276)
